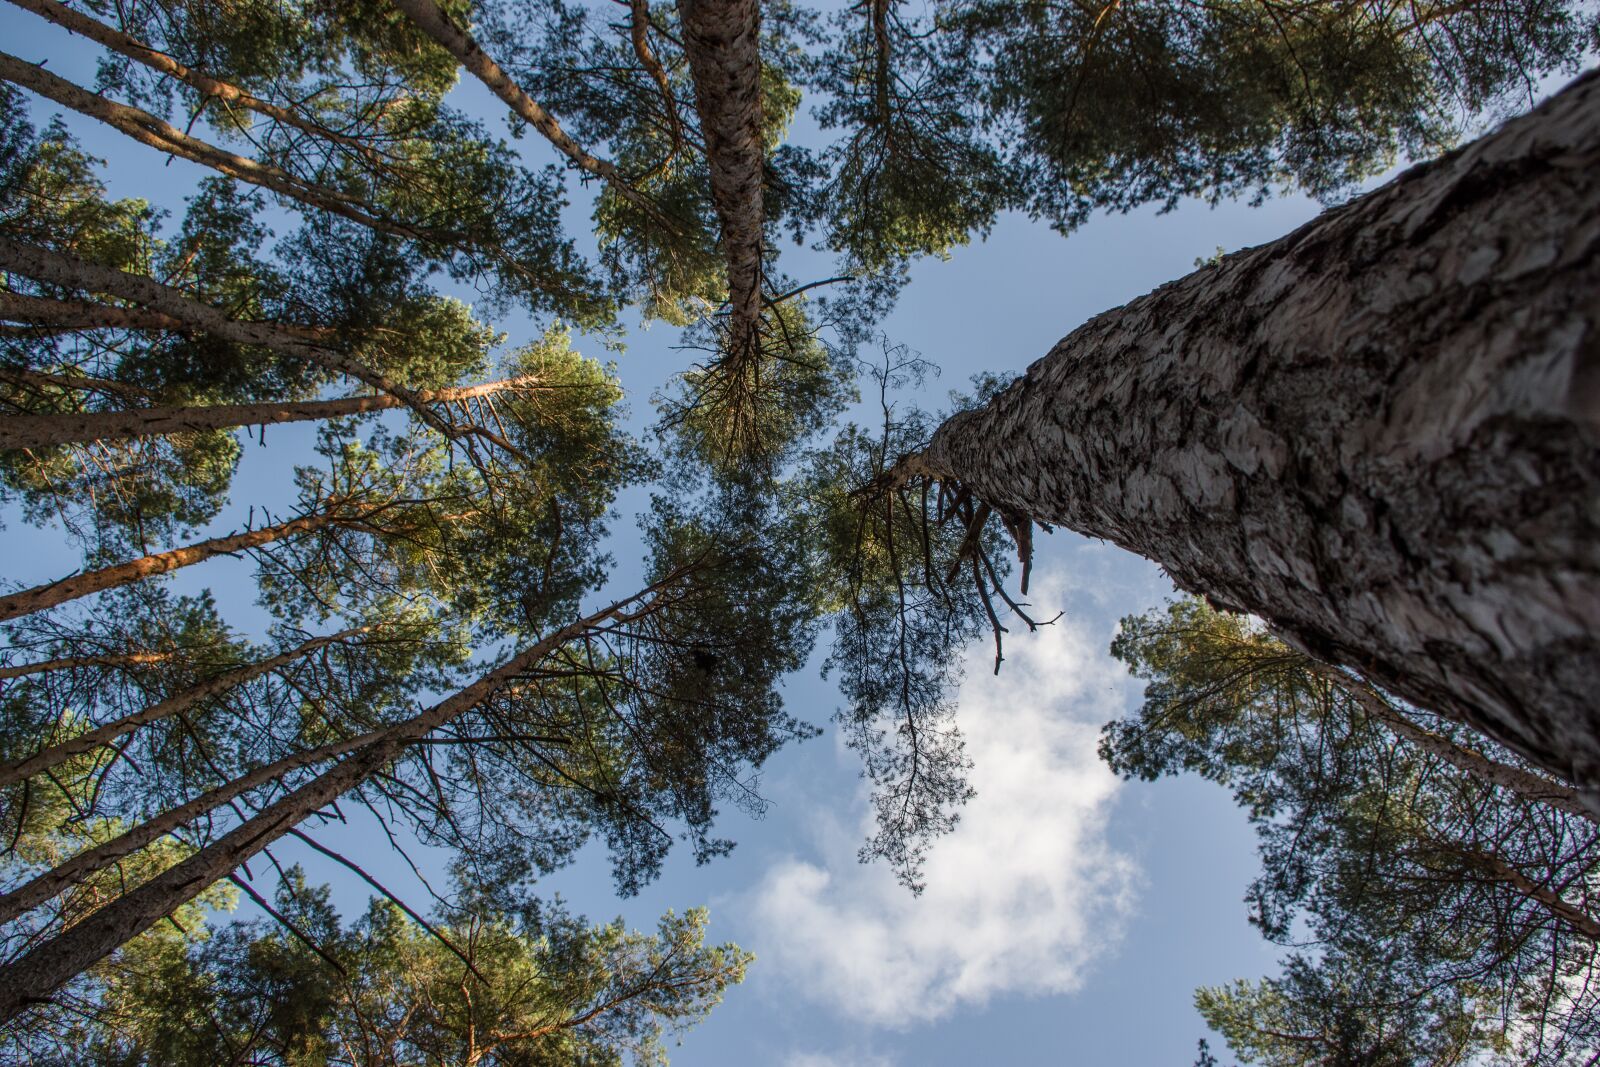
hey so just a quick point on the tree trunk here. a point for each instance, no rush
(1534, 788)
(40, 597)
(721, 40)
(156, 133)
(60, 268)
(57, 754)
(70, 315)
(127, 659)
(1553, 902)
(66, 316)
(71, 871)
(33, 977)
(42, 431)
(117, 41)
(460, 44)
(1381, 434)
(44, 383)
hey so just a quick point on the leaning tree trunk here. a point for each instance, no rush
(438, 25)
(80, 865)
(31, 979)
(156, 133)
(40, 597)
(64, 663)
(1531, 787)
(42, 431)
(1380, 433)
(61, 268)
(721, 40)
(59, 753)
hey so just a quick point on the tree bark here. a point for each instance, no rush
(72, 315)
(1553, 902)
(83, 315)
(1381, 434)
(59, 753)
(156, 133)
(40, 597)
(69, 872)
(721, 40)
(32, 978)
(43, 431)
(639, 33)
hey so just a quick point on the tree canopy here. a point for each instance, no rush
(441, 636)
(1437, 895)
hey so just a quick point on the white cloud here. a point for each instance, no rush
(836, 1059)
(1020, 897)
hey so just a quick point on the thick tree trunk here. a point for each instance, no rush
(42, 431)
(57, 754)
(40, 597)
(32, 978)
(1380, 433)
(721, 40)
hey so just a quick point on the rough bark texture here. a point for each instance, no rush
(721, 40)
(34, 976)
(42, 431)
(57, 754)
(1380, 433)
(40, 597)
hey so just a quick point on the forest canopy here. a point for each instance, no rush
(412, 224)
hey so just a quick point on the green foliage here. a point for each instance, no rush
(1343, 1009)
(361, 290)
(372, 86)
(911, 174)
(744, 411)
(1433, 910)
(640, 730)
(911, 574)
(1148, 101)
(483, 524)
(483, 987)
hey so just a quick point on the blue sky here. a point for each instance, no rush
(1070, 916)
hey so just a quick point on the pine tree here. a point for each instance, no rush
(1317, 432)
(1439, 894)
